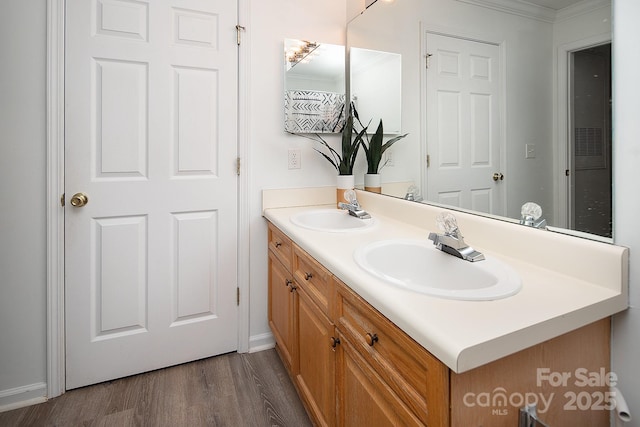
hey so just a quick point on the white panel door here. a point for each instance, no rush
(151, 96)
(463, 124)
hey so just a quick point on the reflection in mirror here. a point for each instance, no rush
(376, 87)
(490, 90)
(314, 87)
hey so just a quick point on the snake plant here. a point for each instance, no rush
(351, 141)
(375, 148)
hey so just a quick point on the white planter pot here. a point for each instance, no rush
(372, 182)
(344, 183)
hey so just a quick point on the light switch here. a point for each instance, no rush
(530, 151)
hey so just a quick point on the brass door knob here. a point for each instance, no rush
(79, 200)
(498, 176)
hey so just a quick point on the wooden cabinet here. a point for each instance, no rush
(280, 246)
(282, 295)
(316, 360)
(300, 291)
(363, 398)
(361, 371)
(404, 367)
(315, 279)
(281, 311)
(353, 367)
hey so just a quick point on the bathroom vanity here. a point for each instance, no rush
(362, 352)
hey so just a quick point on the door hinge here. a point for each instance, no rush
(566, 172)
(238, 166)
(428, 160)
(427, 57)
(239, 30)
(62, 200)
(238, 296)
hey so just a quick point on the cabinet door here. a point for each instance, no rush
(281, 309)
(316, 360)
(363, 398)
(419, 379)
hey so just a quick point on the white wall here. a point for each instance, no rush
(22, 202)
(270, 23)
(626, 158)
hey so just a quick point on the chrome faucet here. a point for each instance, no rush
(353, 207)
(530, 216)
(413, 194)
(452, 241)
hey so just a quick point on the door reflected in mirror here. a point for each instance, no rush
(314, 82)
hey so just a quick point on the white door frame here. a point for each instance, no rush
(561, 159)
(55, 141)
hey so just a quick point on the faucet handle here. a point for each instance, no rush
(531, 209)
(530, 215)
(351, 198)
(448, 224)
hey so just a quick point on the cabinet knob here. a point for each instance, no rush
(288, 282)
(371, 339)
(307, 276)
(292, 287)
(334, 341)
(278, 244)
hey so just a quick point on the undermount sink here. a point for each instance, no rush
(332, 220)
(419, 266)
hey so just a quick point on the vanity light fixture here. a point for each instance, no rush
(301, 52)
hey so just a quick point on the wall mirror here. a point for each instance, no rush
(314, 84)
(504, 103)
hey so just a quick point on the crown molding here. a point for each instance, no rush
(517, 7)
(585, 6)
(540, 13)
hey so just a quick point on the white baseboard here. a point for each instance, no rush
(261, 342)
(20, 397)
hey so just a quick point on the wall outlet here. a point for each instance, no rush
(294, 158)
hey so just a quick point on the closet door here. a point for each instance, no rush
(151, 185)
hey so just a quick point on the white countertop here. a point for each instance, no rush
(462, 334)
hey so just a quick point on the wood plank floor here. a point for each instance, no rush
(229, 390)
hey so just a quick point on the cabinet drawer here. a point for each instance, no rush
(314, 279)
(281, 246)
(412, 372)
